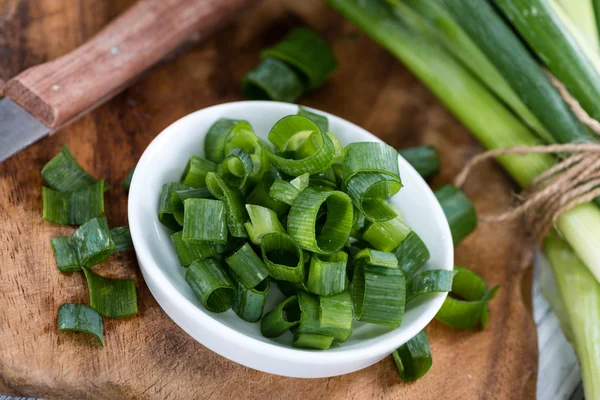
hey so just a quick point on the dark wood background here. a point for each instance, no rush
(148, 356)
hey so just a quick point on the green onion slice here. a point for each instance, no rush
(166, 207)
(214, 143)
(303, 218)
(205, 221)
(260, 196)
(234, 202)
(425, 159)
(113, 298)
(325, 179)
(312, 341)
(272, 80)
(336, 316)
(378, 288)
(459, 210)
(308, 54)
(211, 285)
(321, 120)
(179, 196)
(121, 237)
(369, 157)
(429, 282)
(188, 252)
(127, 181)
(277, 321)
(195, 172)
(247, 266)
(93, 242)
(283, 257)
(262, 222)
(327, 274)
(249, 302)
(236, 168)
(63, 173)
(65, 254)
(73, 208)
(290, 288)
(467, 304)
(80, 318)
(413, 359)
(386, 235)
(287, 192)
(412, 254)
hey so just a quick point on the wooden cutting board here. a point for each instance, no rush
(148, 356)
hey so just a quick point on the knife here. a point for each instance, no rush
(46, 97)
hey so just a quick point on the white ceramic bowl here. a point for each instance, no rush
(227, 334)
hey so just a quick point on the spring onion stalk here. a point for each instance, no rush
(459, 211)
(308, 54)
(287, 192)
(205, 221)
(277, 321)
(411, 254)
(194, 174)
(583, 13)
(121, 237)
(249, 301)
(260, 196)
(127, 181)
(65, 254)
(262, 222)
(188, 252)
(272, 80)
(386, 235)
(413, 359)
(580, 295)
(112, 298)
(236, 168)
(283, 257)
(547, 36)
(73, 208)
(93, 242)
(234, 203)
(247, 266)
(166, 206)
(321, 120)
(303, 218)
(425, 159)
(64, 174)
(327, 274)
(211, 285)
(179, 196)
(429, 282)
(80, 318)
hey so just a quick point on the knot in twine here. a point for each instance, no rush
(573, 181)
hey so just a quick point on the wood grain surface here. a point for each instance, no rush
(148, 356)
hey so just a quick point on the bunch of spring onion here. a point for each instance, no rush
(484, 60)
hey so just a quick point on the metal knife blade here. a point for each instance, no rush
(18, 128)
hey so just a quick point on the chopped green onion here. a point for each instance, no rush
(121, 237)
(459, 210)
(386, 235)
(425, 159)
(247, 266)
(336, 315)
(312, 341)
(378, 288)
(234, 202)
(303, 218)
(236, 168)
(467, 304)
(276, 322)
(63, 174)
(272, 80)
(262, 221)
(65, 254)
(260, 196)
(73, 208)
(188, 252)
(80, 318)
(179, 196)
(166, 207)
(249, 301)
(287, 192)
(195, 172)
(205, 221)
(290, 288)
(308, 54)
(283, 257)
(214, 143)
(437, 280)
(321, 120)
(413, 359)
(327, 273)
(369, 157)
(412, 254)
(211, 285)
(127, 181)
(326, 180)
(93, 242)
(113, 298)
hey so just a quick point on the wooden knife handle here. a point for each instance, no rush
(59, 90)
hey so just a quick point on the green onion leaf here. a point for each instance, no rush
(249, 302)
(93, 242)
(65, 254)
(429, 282)
(283, 257)
(378, 288)
(73, 208)
(260, 196)
(277, 321)
(179, 196)
(287, 192)
(386, 235)
(413, 359)
(205, 221)
(327, 274)
(272, 80)
(234, 202)
(195, 172)
(127, 181)
(188, 252)
(63, 174)
(308, 54)
(303, 218)
(247, 266)
(412, 254)
(113, 298)
(211, 285)
(321, 120)
(166, 207)
(467, 304)
(312, 341)
(459, 210)
(262, 221)
(236, 168)
(80, 318)
(121, 237)
(425, 159)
